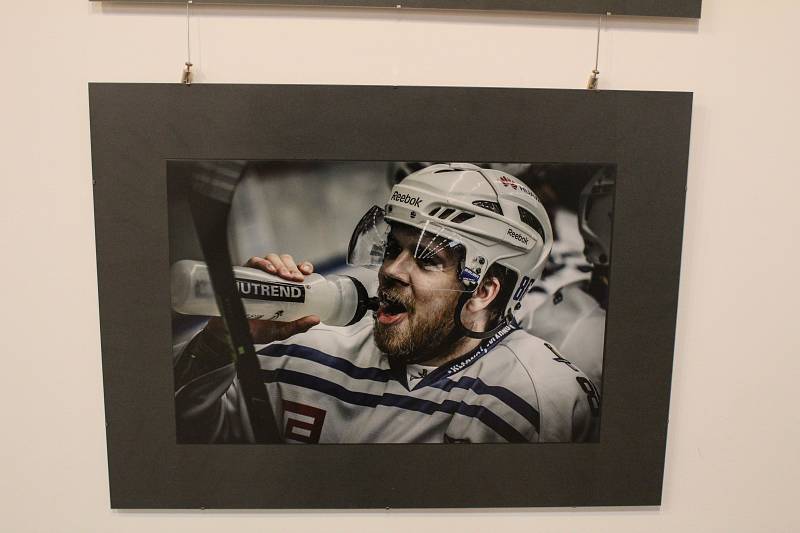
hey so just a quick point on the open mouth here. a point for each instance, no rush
(390, 311)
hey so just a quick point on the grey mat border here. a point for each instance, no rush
(136, 128)
(651, 8)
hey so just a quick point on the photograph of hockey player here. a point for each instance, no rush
(440, 360)
(574, 318)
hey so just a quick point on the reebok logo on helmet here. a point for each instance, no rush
(518, 236)
(413, 201)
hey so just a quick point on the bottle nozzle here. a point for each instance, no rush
(365, 302)
(373, 303)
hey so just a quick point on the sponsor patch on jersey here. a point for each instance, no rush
(303, 422)
(270, 291)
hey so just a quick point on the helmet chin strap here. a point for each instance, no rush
(459, 326)
(460, 331)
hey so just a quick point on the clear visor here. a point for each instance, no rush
(368, 242)
(425, 256)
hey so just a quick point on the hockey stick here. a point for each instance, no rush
(210, 203)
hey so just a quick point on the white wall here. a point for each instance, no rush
(732, 455)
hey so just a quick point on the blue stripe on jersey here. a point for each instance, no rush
(501, 393)
(409, 403)
(337, 363)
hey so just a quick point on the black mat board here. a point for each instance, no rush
(136, 128)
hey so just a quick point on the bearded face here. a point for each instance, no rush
(418, 295)
(420, 330)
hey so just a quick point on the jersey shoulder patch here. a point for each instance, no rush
(552, 377)
(537, 355)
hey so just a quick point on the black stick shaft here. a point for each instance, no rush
(210, 203)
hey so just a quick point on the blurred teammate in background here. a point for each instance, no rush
(574, 318)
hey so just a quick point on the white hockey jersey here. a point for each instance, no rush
(333, 385)
(574, 323)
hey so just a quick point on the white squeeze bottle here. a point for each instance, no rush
(336, 300)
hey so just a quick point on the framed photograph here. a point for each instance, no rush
(574, 175)
(650, 8)
(399, 357)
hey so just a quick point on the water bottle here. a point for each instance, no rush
(336, 300)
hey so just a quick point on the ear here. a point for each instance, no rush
(484, 295)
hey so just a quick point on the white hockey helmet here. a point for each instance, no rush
(595, 213)
(491, 216)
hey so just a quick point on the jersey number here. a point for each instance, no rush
(522, 289)
(591, 394)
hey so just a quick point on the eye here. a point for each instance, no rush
(392, 249)
(430, 262)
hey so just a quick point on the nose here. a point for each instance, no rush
(399, 268)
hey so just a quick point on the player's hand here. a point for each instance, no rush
(266, 331)
(282, 266)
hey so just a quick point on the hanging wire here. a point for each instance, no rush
(594, 78)
(186, 77)
(189, 41)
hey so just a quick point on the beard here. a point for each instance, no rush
(421, 336)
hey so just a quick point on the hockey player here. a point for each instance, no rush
(442, 360)
(574, 318)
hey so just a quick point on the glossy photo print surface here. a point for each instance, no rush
(462, 293)
(459, 303)
(652, 8)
